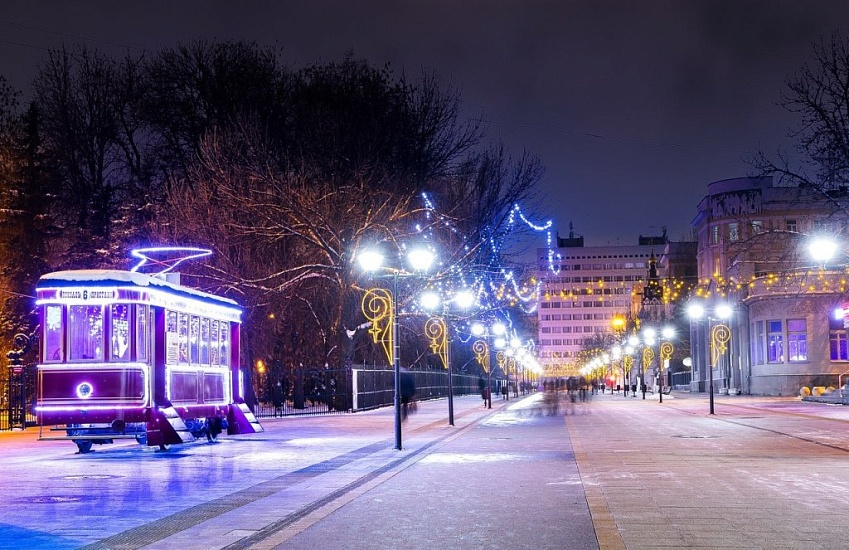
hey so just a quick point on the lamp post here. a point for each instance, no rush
(376, 305)
(494, 332)
(436, 329)
(719, 334)
(665, 354)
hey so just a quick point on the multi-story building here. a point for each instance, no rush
(584, 288)
(753, 237)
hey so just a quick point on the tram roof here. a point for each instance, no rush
(115, 277)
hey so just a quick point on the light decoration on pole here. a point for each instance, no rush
(379, 309)
(436, 329)
(496, 333)
(378, 305)
(720, 335)
(436, 333)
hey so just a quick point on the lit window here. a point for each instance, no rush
(837, 341)
(182, 338)
(120, 332)
(85, 333)
(791, 225)
(775, 342)
(53, 334)
(797, 340)
(733, 232)
(194, 339)
(141, 333)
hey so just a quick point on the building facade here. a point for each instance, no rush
(586, 288)
(787, 327)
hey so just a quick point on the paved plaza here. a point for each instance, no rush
(614, 472)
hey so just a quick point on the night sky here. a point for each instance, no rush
(632, 107)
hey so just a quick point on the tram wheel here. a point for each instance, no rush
(83, 446)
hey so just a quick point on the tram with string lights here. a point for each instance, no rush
(137, 355)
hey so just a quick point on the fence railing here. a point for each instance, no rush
(18, 398)
(681, 380)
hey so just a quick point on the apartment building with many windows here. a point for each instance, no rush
(583, 289)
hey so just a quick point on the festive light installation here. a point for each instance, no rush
(435, 330)
(481, 350)
(168, 257)
(378, 307)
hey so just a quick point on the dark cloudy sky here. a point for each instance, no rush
(633, 107)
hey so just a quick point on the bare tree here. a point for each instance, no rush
(819, 94)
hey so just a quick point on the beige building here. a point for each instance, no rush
(753, 238)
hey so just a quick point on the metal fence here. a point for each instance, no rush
(681, 380)
(307, 391)
(18, 397)
(375, 387)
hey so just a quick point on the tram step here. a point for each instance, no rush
(242, 420)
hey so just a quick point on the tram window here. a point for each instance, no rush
(120, 332)
(204, 341)
(52, 334)
(213, 344)
(225, 344)
(85, 333)
(182, 338)
(171, 337)
(194, 329)
(141, 333)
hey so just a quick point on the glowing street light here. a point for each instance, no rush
(495, 333)
(420, 260)
(431, 300)
(720, 334)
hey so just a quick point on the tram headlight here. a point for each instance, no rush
(85, 390)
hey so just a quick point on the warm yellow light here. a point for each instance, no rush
(260, 366)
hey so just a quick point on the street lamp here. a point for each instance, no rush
(437, 329)
(375, 304)
(496, 333)
(665, 354)
(720, 334)
(822, 249)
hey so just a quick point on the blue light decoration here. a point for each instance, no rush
(168, 257)
(490, 282)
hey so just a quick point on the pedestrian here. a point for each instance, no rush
(482, 388)
(408, 391)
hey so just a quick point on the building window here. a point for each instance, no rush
(797, 340)
(85, 333)
(714, 234)
(757, 227)
(837, 341)
(733, 232)
(775, 342)
(758, 343)
(791, 225)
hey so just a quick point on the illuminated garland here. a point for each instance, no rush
(495, 282)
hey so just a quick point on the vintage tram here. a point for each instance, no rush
(129, 355)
